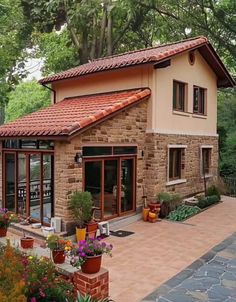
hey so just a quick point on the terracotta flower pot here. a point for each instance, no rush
(154, 206)
(58, 256)
(92, 229)
(27, 242)
(92, 264)
(3, 232)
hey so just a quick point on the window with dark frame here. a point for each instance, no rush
(179, 96)
(206, 161)
(175, 163)
(199, 100)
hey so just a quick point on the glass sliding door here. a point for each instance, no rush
(47, 187)
(10, 185)
(127, 184)
(111, 181)
(111, 189)
(21, 185)
(93, 183)
(34, 186)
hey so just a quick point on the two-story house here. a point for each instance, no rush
(118, 127)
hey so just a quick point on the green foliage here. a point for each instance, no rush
(88, 298)
(14, 38)
(81, 206)
(169, 202)
(182, 212)
(58, 51)
(26, 98)
(213, 190)
(207, 201)
(226, 130)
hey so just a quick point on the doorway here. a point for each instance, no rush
(111, 181)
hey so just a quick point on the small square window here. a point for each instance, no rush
(199, 100)
(179, 96)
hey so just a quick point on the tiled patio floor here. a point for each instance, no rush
(156, 252)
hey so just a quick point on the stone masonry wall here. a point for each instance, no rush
(156, 163)
(128, 127)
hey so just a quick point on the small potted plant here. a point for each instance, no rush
(88, 255)
(81, 205)
(6, 219)
(59, 247)
(26, 242)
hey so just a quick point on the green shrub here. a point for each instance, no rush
(169, 202)
(88, 298)
(213, 190)
(207, 201)
(182, 212)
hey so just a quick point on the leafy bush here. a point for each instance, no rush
(27, 278)
(182, 212)
(213, 190)
(207, 201)
(169, 202)
(88, 298)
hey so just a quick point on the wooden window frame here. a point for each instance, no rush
(202, 104)
(180, 179)
(209, 150)
(177, 106)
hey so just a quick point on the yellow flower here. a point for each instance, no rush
(30, 257)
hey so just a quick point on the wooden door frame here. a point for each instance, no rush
(119, 161)
(27, 156)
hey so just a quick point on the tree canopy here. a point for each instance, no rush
(26, 98)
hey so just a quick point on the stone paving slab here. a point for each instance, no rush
(211, 278)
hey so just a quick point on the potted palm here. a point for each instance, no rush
(81, 206)
(88, 255)
(59, 247)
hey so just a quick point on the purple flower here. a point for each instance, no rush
(33, 299)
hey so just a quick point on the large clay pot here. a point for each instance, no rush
(80, 234)
(58, 256)
(27, 242)
(154, 206)
(92, 264)
(3, 232)
(145, 214)
(92, 229)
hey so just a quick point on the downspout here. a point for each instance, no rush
(54, 92)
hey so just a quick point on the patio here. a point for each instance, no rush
(156, 252)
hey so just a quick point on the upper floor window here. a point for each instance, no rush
(179, 96)
(199, 100)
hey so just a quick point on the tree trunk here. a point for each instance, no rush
(109, 31)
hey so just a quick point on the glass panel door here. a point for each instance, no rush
(93, 183)
(34, 186)
(47, 188)
(10, 181)
(21, 191)
(111, 189)
(127, 184)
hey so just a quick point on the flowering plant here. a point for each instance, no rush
(55, 242)
(6, 218)
(89, 247)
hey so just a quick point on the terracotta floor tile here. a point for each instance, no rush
(156, 252)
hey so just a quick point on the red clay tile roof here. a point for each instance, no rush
(72, 114)
(147, 55)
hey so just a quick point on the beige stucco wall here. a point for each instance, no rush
(161, 118)
(165, 120)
